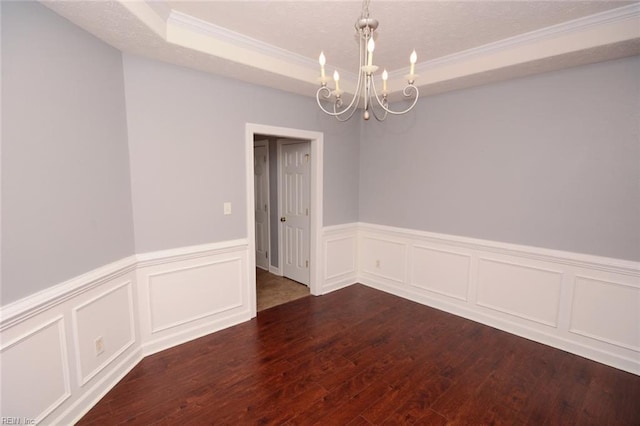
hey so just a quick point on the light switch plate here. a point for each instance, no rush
(227, 208)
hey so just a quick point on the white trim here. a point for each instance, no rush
(596, 30)
(93, 395)
(64, 358)
(565, 29)
(532, 324)
(83, 380)
(574, 330)
(44, 300)
(346, 273)
(156, 329)
(329, 277)
(238, 40)
(412, 280)
(275, 270)
(80, 398)
(488, 305)
(190, 252)
(606, 264)
(191, 324)
(66, 299)
(317, 148)
(606, 357)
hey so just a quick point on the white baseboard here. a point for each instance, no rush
(94, 394)
(583, 304)
(158, 298)
(340, 257)
(275, 270)
(184, 297)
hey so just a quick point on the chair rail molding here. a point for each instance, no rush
(584, 304)
(90, 331)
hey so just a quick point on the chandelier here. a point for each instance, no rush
(366, 92)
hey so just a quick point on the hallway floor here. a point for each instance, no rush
(273, 290)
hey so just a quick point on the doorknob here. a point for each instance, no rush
(283, 219)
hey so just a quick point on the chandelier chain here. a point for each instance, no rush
(365, 8)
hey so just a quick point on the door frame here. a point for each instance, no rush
(316, 140)
(265, 144)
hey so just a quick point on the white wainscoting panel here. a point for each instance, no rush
(441, 271)
(35, 372)
(518, 289)
(340, 246)
(48, 362)
(182, 295)
(607, 311)
(384, 258)
(583, 304)
(187, 295)
(109, 316)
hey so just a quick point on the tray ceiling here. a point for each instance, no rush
(276, 43)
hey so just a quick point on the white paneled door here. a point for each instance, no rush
(295, 173)
(261, 193)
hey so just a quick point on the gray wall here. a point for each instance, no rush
(551, 161)
(66, 203)
(187, 138)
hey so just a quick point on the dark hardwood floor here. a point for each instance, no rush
(358, 356)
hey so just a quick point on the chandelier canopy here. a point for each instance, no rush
(366, 92)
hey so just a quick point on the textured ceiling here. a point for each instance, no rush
(433, 28)
(276, 43)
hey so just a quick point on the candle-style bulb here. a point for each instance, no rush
(413, 58)
(322, 61)
(385, 76)
(371, 45)
(336, 78)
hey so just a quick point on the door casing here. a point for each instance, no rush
(316, 140)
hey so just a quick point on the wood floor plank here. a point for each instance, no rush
(359, 356)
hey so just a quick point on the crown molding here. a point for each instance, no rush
(565, 29)
(597, 30)
(236, 39)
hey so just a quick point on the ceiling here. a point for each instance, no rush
(277, 43)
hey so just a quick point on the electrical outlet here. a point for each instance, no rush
(99, 345)
(377, 263)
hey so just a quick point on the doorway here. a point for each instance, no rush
(282, 246)
(313, 157)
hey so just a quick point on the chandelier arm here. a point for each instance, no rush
(383, 116)
(373, 108)
(343, 119)
(406, 92)
(339, 116)
(326, 94)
